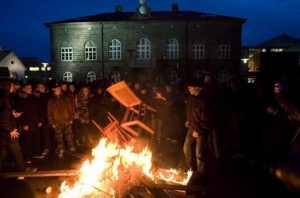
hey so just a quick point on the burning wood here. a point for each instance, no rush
(54, 173)
(116, 171)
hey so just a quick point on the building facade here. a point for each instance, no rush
(274, 59)
(145, 45)
(10, 62)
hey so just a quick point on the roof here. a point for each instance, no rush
(31, 61)
(3, 54)
(158, 15)
(282, 41)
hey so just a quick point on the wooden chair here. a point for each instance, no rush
(114, 132)
(121, 92)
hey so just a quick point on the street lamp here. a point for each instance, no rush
(45, 67)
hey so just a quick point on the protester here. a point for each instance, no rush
(9, 134)
(60, 117)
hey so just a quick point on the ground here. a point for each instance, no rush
(239, 181)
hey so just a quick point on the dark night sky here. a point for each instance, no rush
(22, 22)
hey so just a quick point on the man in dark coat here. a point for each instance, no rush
(60, 117)
(30, 122)
(192, 103)
(9, 135)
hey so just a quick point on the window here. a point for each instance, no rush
(116, 76)
(172, 49)
(90, 51)
(172, 75)
(35, 68)
(222, 76)
(91, 76)
(276, 50)
(68, 77)
(115, 50)
(223, 51)
(66, 52)
(198, 73)
(143, 49)
(198, 51)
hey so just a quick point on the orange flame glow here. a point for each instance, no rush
(110, 172)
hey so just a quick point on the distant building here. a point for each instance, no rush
(35, 68)
(8, 59)
(145, 45)
(276, 58)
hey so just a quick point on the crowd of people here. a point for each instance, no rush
(255, 123)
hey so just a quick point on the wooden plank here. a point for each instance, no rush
(180, 187)
(53, 173)
(177, 194)
(75, 154)
(143, 192)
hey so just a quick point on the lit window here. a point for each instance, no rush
(172, 49)
(143, 49)
(66, 54)
(91, 76)
(34, 69)
(68, 77)
(276, 50)
(223, 51)
(263, 50)
(115, 50)
(198, 51)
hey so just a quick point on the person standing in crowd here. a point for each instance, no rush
(83, 108)
(161, 105)
(60, 117)
(45, 130)
(213, 96)
(193, 101)
(30, 122)
(72, 94)
(174, 127)
(9, 134)
(98, 112)
(289, 102)
(237, 102)
(64, 87)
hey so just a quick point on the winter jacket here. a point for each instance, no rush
(60, 110)
(191, 103)
(30, 107)
(43, 99)
(83, 109)
(201, 118)
(7, 119)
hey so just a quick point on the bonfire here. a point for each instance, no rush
(113, 171)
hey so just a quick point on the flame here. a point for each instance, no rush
(111, 171)
(175, 177)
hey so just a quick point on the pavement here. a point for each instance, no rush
(240, 180)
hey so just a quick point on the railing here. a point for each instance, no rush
(142, 63)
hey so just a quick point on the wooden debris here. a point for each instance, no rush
(53, 173)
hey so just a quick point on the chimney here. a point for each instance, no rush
(175, 8)
(118, 9)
